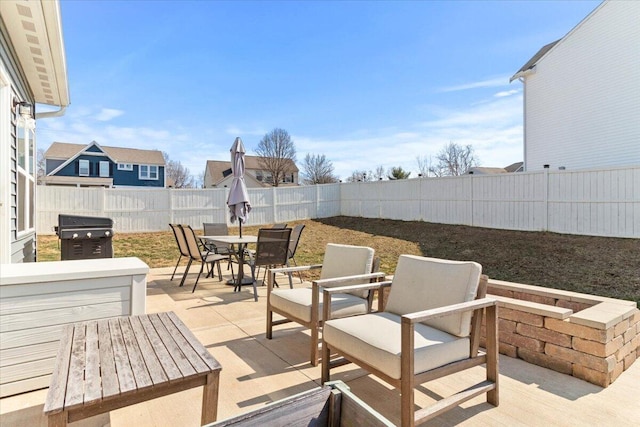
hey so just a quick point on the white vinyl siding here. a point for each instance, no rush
(104, 169)
(148, 172)
(83, 167)
(581, 103)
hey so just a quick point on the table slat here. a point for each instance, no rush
(93, 387)
(176, 354)
(123, 368)
(192, 356)
(75, 380)
(136, 360)
(156, 372)
(169, 366)
(110, 383)
(195, 343)
(57, 391)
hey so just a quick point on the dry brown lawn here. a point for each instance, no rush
(594, 265)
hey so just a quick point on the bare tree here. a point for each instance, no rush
(357, 176)
(378, 174)
(318, 170)
(424, 165)
(41, 165)
(397, 172)
(177, 175)
(454, 160)
(276, 152)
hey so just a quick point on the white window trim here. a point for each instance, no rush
(147, 176)
(101, 168)
(125, 166)
(80, 163)
(30, 180)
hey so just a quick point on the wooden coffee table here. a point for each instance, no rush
(107, 364)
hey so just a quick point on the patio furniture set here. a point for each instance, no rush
(426, 326)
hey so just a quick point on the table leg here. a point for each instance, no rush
(210, 398)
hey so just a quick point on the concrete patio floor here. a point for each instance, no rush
(256, 371)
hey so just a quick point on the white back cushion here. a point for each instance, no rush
(347, 260)
(422, 283)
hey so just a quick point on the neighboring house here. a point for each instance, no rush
(94, 165)
(32, 70)
(582, 94)
(479, 170)
(218, 174)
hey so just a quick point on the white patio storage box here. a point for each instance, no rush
(38, 299)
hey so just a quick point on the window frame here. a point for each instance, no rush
(102, 165)
(149, 171)
(84, 162)
(125, 166)
(25, 176)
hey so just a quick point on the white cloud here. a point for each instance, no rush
(506, 93)
(106, 114)
(495, 82)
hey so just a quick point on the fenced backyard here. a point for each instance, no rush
(602, 202)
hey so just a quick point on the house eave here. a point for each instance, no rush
(35, 31)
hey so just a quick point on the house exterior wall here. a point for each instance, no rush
(125, 178)
(14, 247)
(582, 101)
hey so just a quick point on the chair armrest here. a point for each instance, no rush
(433, 313)
(338, 280)
(363, 287)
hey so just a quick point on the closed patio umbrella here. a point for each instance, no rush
(238, 200)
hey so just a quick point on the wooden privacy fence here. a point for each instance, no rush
(602, 202)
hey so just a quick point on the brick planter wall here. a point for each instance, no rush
(586, 336)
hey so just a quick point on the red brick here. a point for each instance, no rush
(546, 361)
(576, 330)
(543, 334)
(521, 316)
(506, 325)
(628, 361)
(534, 298)
(523, 342)
(507, 349)
(599, 364)
(621, 328)
(594, 377)
(572, 305)
(596, 348)
(499, 291)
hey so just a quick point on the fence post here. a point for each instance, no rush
(471, 198)
(546, 197)
(317, 215)
(102, 202)
(170, 204)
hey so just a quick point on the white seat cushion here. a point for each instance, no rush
(423, 283)
(375, 339)
(297, 302)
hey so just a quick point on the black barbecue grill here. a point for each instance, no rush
(85, 237)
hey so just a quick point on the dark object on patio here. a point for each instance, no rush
(85, 237)
(219, 229)
(198, 253)
(431, 329)
(272, 249)
(332, 405)
(182, 247)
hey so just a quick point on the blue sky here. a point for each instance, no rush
(367, 84)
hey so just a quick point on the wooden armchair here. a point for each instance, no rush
(429, 328)
(342, 265)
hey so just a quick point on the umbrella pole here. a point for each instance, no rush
(240, 222)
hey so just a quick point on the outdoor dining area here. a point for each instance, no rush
(243, 334)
